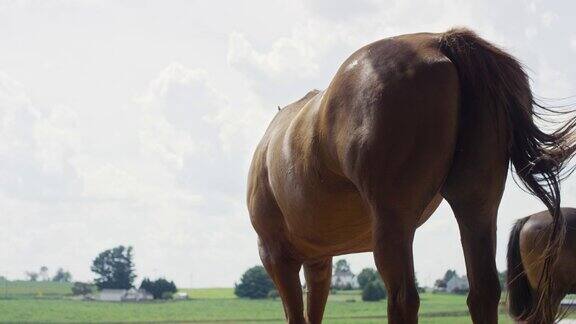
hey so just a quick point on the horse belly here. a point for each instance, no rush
(324, 223)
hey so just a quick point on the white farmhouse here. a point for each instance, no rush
(118, 295)
(457, 284)
(181, 296)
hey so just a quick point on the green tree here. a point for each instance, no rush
(439, 283)
(43, 274)
(273, 294)
(374, 291)
(62, 276)
(342, 275)
(255, 283)
(160, 288)
(115, 268)
(342, 266)
(449, 275)
(367, 275)
(32, 276)
(502, 279)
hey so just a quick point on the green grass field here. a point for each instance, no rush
(28, 289)
(49, 302)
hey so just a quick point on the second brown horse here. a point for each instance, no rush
(526, 247)
(406, 122)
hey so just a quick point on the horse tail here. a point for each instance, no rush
(492, 79)
(520, 300)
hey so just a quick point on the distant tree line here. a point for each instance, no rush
(256, 284)
(115, 269)
(43, 275)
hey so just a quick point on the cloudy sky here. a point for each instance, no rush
(133, 122)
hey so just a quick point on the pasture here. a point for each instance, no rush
(33, 290)
(50, 302)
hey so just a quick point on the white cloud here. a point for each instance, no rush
(552, 83)
(191, 126)
(289, 56)
(342, 10)
(35, 147)
(547, 18)
(181, 190)
(201, 142)
(292, 65)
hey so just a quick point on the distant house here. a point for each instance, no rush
(118, 295)
(457, 284)
(180, 296)
(344, 280)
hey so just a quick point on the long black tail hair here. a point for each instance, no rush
(492, 79)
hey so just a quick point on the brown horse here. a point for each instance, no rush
(526, 249)
(406, 122)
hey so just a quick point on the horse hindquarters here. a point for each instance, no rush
(398, 162)
(473, 189)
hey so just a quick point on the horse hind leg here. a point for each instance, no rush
(475, 206)
(478, 236)
(318, 278)
(393, 257)
(284, 271)
(396, 212)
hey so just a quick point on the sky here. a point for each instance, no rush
(133, 122)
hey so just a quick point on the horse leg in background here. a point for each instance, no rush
(318, 278)
(284, 271)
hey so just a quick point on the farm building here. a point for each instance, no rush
(181, 296)
(118, 295)
(457, 284)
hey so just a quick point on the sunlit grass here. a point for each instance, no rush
(208, 305)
